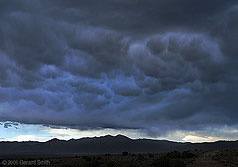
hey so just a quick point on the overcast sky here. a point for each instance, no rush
(156, 69)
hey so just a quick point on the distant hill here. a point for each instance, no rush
(107, 144)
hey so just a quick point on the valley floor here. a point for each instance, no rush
(222, 158)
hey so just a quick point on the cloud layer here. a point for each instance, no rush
(150, 65)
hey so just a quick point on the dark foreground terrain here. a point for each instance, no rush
(119, 151)
(191, 158)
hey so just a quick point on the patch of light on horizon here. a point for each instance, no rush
(200, 139)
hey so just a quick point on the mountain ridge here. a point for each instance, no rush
(107, 144)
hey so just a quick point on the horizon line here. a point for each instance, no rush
(66, 140)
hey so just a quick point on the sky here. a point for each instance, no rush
(144, 69)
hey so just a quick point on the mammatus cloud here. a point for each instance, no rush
(153, 66)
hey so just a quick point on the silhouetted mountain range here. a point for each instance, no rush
(107, 144)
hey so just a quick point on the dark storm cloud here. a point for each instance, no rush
(10, 125)
(148, 65)
(139, 15)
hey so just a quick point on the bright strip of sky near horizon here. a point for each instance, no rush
(13, 131)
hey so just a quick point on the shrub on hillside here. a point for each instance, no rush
(188, 154)
(107, 155)
(165, 161)
(177, 163)
(150, 155)
(125, 153)
(111, 164)
(93, 163)
(173, 154)
(141, 157)
(161, 162)
(87, 158)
